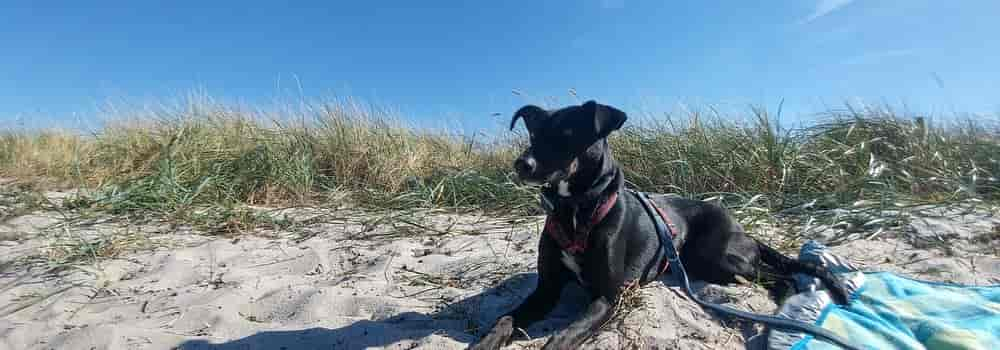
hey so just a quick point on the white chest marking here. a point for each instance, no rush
(572, 264)
(564, 188)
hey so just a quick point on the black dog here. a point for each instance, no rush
(604, 238)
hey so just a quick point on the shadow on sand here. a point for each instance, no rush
(452, 321)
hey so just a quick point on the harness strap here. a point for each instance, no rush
(776, 322)
(575, 242)
(671, 230)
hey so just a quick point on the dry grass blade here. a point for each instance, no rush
(171, 161)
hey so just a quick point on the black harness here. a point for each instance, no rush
(677, 269)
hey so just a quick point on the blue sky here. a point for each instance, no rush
(460, 60)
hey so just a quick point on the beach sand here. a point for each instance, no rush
(358, 280)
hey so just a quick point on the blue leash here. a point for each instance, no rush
(677, 269)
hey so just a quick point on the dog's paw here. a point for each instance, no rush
(499, 336)
(504, 327)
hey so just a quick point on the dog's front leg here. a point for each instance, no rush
(599, 312)
(609, 276)
(551, 279)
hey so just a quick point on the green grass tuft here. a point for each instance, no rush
(175, 162)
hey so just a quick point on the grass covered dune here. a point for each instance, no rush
(335, 224)
(172, 161)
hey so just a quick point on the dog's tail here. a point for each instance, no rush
(788, 266)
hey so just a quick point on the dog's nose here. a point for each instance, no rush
(525, 165)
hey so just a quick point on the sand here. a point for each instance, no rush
(349, 280)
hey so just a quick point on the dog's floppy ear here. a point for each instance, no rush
(531, 115)
(606, 118)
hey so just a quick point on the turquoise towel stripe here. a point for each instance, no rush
(894, 312)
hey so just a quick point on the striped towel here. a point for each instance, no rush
(888, 311)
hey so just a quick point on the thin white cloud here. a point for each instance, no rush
(877, 56)
(825, 7)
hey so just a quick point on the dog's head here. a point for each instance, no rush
(560, 140)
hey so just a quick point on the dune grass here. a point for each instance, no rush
(853, 155)
(176, 162)
(204, 165)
